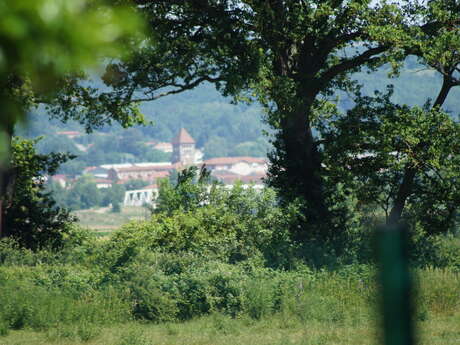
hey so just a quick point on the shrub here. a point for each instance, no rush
(24, 304)
(241, 224)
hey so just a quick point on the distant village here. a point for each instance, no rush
(250, 171)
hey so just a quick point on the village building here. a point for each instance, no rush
(161, 146)
(237, 165)
(98, 172)
(103, 183)
(229, 178)
(249, 171)
(144, 173)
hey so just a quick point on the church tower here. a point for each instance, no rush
(183, 148)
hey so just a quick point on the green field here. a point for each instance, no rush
(327, 308)
(220, 330)
(103, 220)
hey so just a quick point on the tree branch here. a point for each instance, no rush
(348, 64)
(180, 88)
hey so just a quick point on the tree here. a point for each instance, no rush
(404, 155)
(43, 41)
(32, 216)
(113, 195)
(291, 55)
(370, 147)
(49, 39)
(135, 184)
(191, 190)
(216, 147)
(84, 194)
(154, 155)
(438, 46)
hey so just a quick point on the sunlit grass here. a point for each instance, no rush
(223, 330)
(103, 220)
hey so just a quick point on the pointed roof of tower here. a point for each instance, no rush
(183, 138)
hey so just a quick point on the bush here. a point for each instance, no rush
(237, 225)
(27, 300)
(116, 207)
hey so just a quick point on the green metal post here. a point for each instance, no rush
(396, 285)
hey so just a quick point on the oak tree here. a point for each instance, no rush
(289, 55)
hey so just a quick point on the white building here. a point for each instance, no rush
(140, 197)
(238, 165)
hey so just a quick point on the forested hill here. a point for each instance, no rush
(219, 127)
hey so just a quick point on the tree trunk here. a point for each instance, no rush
(404, 191)
(4, 179)
(300, 173)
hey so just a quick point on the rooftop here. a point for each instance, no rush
(183, 138)
(233, 160)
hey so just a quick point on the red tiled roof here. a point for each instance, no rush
(153, 176)
(183, 138)
(68, 133)
(160, 174)
(233, 160)
(148, 168)
(162, 146)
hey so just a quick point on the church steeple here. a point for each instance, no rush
(183, 148)
(183, 138)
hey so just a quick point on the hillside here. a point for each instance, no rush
(219, 127)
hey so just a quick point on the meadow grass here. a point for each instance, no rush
(329, 309)
(222, 330)
(102, 219)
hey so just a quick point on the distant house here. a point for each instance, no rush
(238, 165)
(83, 148)
(148, 173)
(161, 146)
(103, 183)
(120, 165)
(98, 172)
(69, 134)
